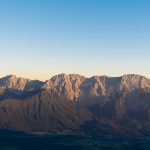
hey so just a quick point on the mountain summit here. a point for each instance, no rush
(75, 86)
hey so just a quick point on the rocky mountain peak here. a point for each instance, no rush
(66, 84)
(131, 82)
(13, 83)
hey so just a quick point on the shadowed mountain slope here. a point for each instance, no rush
(45, 111)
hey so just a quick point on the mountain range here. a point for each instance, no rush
(101, 105)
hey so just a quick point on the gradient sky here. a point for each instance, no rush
(41, 38)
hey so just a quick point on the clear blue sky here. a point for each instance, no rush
(40, 38)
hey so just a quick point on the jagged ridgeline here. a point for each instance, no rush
(111, 105)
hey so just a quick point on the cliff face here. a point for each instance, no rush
(75, 86)
(66, 85)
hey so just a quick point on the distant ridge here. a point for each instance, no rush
(74, 86)
(66, 74)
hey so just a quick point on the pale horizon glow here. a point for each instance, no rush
(47, 77)
(40, 39)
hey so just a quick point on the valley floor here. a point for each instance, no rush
(20, 141)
